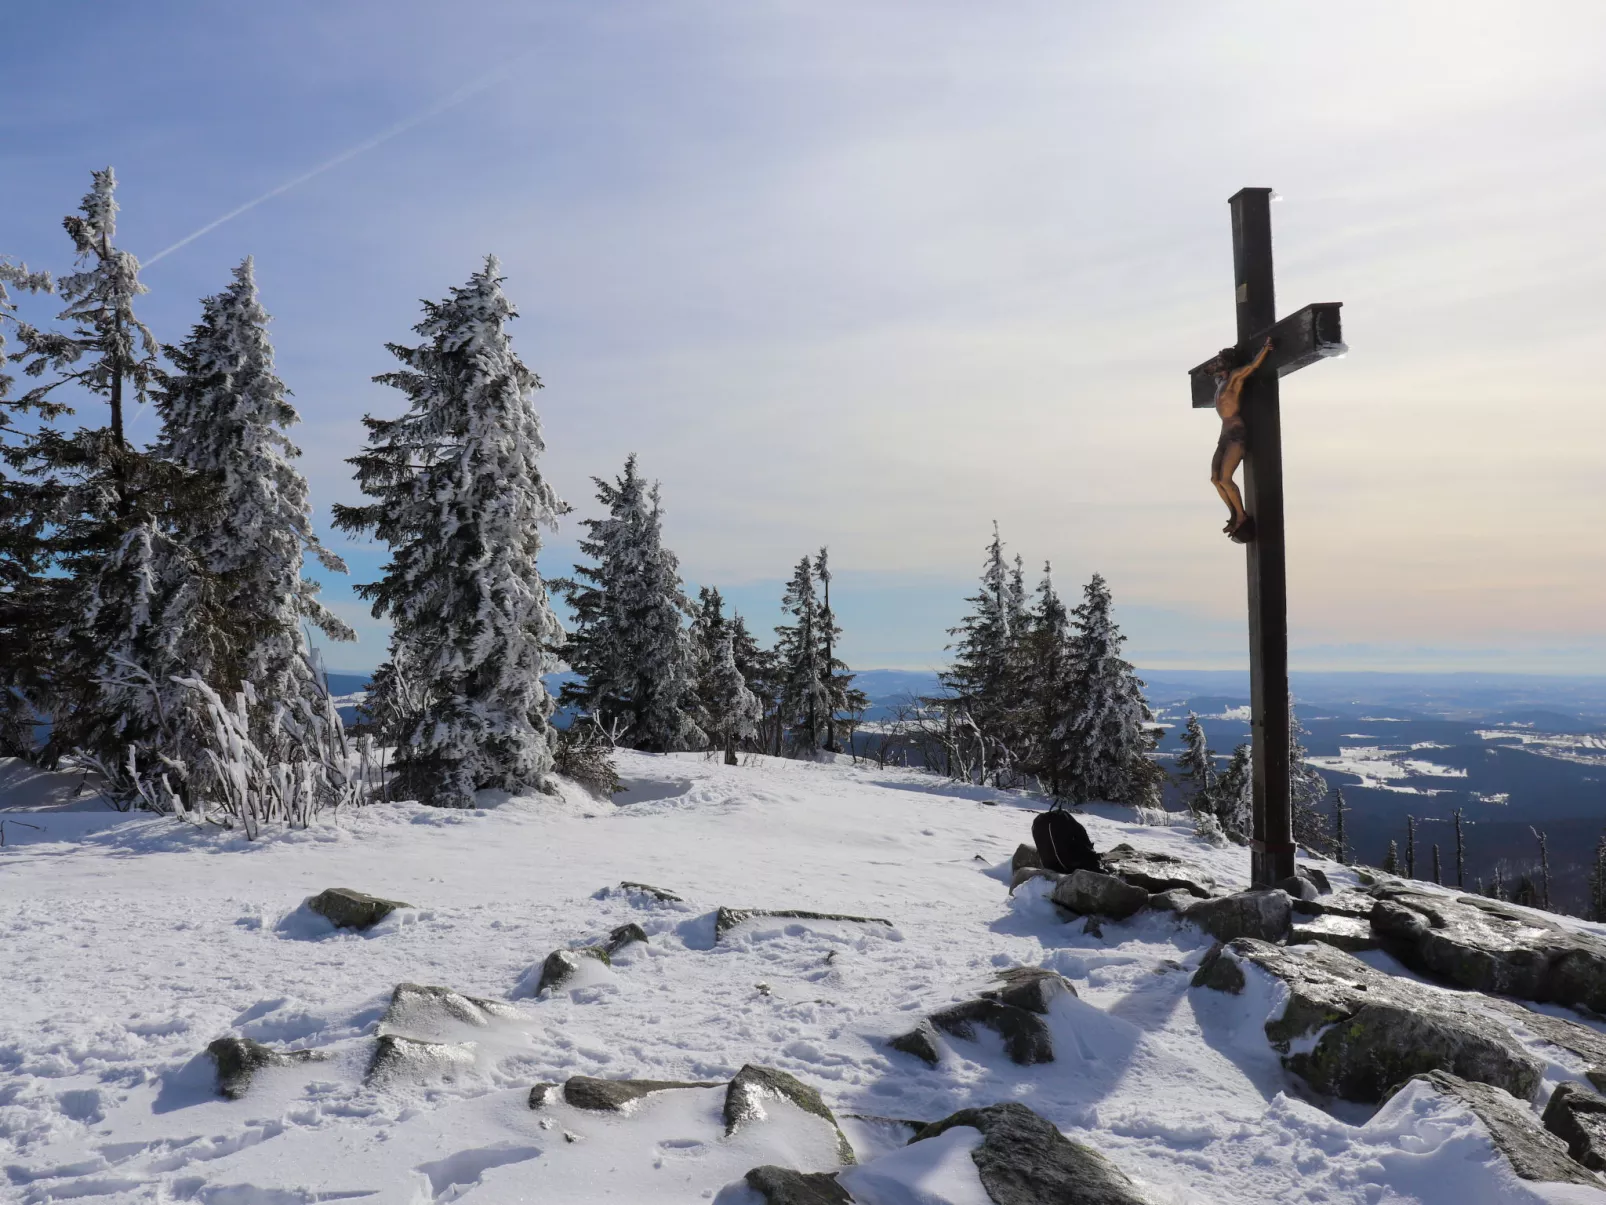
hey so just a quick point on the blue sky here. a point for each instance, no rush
(873, 275)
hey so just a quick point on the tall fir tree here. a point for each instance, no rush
(1391, 859)
(840, 695)
(734, 710)
(224, 416)
(708, 627)
(1597, 882)
(458, 496)
(122, 601)
(1307, 789)
(24, 509)
(630, 645)
(799, 651)
(1235, 795)
(1103, 736)
(1197, 763)
(1340, 838)
(980, 677)
(1047, 684)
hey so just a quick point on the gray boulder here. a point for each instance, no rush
(348, 909)
(1315, 876)
(615, 1095)
(1024, 1160)
(752, 1085)
(1025, 855)
(397, 1056)
(1155, 872)
(420, 1006)
(623, 936)
(1299, 889)
(921, 1041)
(1027, 1040)
(562, 965)
(1534, 1153)
(1489, 946)
(783, 1186)
(1578, 1117)
(1350, 903)
(1354, 1032)
(657, 893)
(540, 1094)
(1031, 988)
(1262, 914)
(1176, 899)
(238, 1059)
(1027, 873)
(727, 919)
(1092, 894)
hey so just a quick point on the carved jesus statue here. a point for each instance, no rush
(1230, 447)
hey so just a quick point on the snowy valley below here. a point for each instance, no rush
(133, 942)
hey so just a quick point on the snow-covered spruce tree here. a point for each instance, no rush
(1391, 859)
(1197, 762)
(1047, 685)
(1307, 789)
(734, 710)
(759, 670)
(224, 414)
(982, 678)
(1103, 738)
(630, 646)
(1341, 850)
(103, 493)
(1597, 882)
(458, 496)
(840, 694)
(24, 507)
(805, 696)
(1235, 795)
(708, 627)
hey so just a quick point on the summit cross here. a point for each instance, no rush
(1282, 347)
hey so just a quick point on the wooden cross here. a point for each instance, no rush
(1300, 339)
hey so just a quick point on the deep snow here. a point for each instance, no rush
(131, 942)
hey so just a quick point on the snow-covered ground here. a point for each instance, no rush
(127, 944)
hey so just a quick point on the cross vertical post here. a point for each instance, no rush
(1272, 847)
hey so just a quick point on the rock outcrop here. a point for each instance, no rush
(238, 1059)
(921, 1041)
(347, 909)
(1344, 932)
(1489, 946)
(1023, 1159)
(1031, 988)
(616, 1095)
(1265, 915)
(1578, 1117)
(1156, 872)
(563, 965)
(783, 1186)
(727, 919)
(418, 1006)
(1534, 1153)
(1027, 1040)
(1089, 893)
(752, 1085)
(657, 893)
(397, 1056)
(1025, 855)
(623, 936)
(1354, 1032)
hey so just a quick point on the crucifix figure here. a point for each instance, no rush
(1243, 379)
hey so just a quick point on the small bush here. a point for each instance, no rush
(585, 754)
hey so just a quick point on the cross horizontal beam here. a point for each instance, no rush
(1302, 338)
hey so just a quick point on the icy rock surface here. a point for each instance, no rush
(1489, 946)
(347, 909)
(1578, 1117)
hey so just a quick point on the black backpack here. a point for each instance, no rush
(1063, 843)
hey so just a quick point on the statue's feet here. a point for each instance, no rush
(1243, 531)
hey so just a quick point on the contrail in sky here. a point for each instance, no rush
(401, 127)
